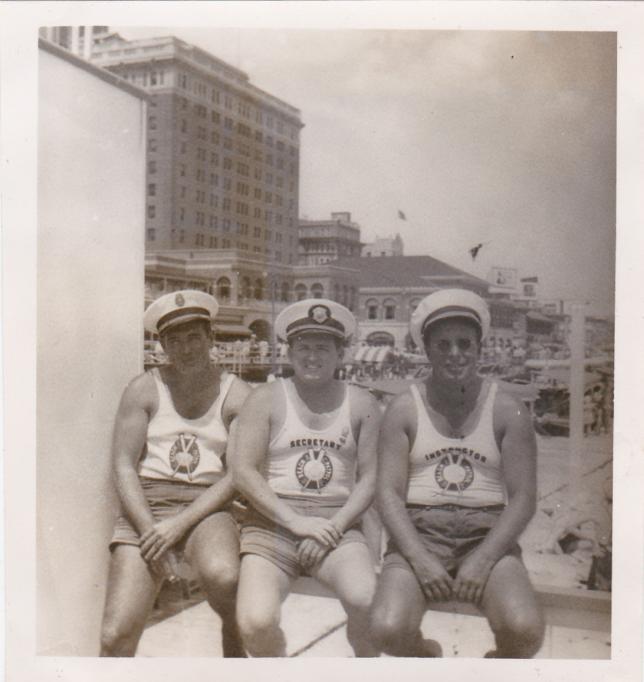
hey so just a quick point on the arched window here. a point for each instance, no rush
(259, 290)
(390, 309)
(372, 309)
(301, 292)
(246, 289)
(223, 289)
(285, 292)
(317, 290)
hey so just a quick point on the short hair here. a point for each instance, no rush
(465, 320)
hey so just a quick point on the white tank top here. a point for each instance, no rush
(188, 450)
(306, 463)
(464, 471)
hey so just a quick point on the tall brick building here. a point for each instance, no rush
(222, 154)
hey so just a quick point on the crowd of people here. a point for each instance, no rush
(450, 466)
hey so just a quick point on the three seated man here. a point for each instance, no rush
(451, 464)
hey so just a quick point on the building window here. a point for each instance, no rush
(258, 293)
(246, 289)
(151, 211)
(152, 145)
(317, 290)
(372, 310)
(151, 234)
(390, 309)
(152, 189)
(152, 166)
(300, 292)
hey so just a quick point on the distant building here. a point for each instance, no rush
(249, 290)
(392, 286)
(385, 246)
(323, 241)
(79, 40)
(222, 155)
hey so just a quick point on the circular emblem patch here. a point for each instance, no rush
(314, 469)
(319, 313)
(454, 472)
(184, 455)
(180, 300)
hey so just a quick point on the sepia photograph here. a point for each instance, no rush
(325, 344)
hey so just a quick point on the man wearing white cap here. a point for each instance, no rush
(305, 460)
(456, 488)
(170, 440)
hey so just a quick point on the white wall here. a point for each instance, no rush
(91, 204)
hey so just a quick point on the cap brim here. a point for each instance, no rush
(184, 319)
(316, 329)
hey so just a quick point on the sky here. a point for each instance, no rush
(495, 137)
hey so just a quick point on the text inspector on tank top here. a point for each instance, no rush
(306, 463)
(187, 450)
(464, 471)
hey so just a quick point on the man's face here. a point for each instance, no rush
(188, 346)
(314, 357)
(452, 347)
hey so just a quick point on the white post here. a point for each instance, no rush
(576, 342)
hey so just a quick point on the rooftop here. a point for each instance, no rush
(410, 271)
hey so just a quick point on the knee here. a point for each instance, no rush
(360, 598)
(117, 640)
(260, 631)
(219, 577)
(521, 634)
(388, 632)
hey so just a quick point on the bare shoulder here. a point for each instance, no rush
(237, 394)
(363, 404)
(262, 397)
(401, 408)
(511, 413)
(141, 392)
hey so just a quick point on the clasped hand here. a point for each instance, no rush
(161, 537)
(310, 552)
(468, 585)
(472, 577)
(317, 528)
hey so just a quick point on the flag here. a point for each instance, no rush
(401, 215)
(474, 251)
(534, 279)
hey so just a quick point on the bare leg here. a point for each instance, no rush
(511, 607)
(262, 589)
(348, 571)
(213, 552)
(131, 591)
(396, 615)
